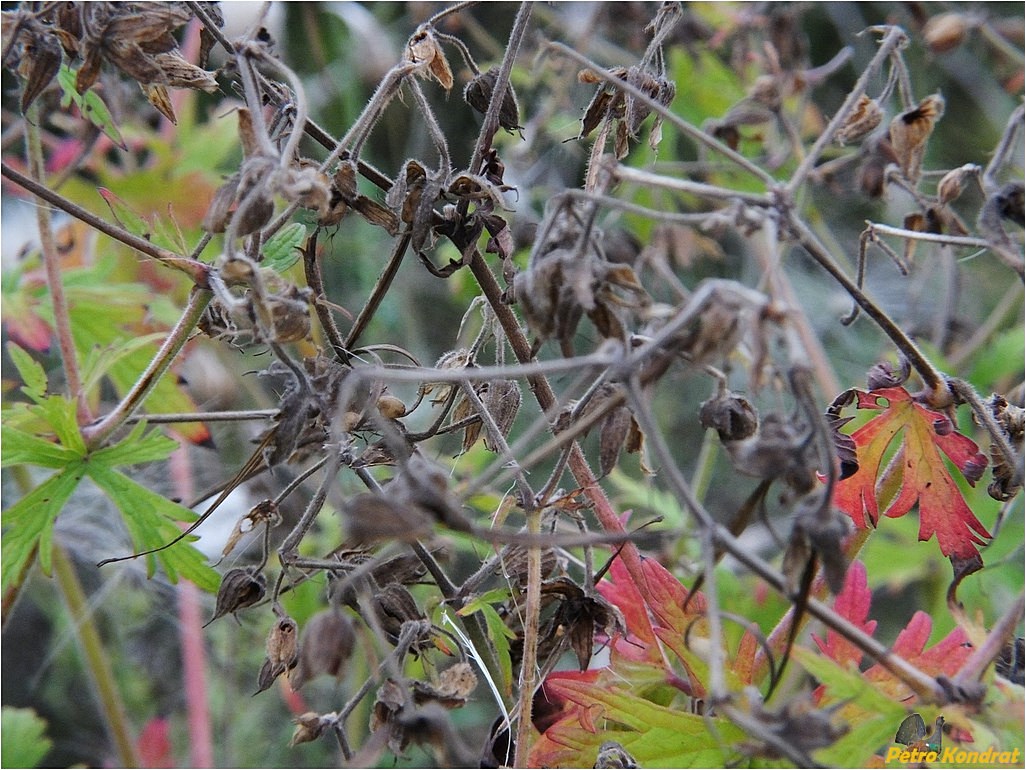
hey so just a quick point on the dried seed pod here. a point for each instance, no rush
(953, 183)
(910, 131)
(327, 643)
(1007, 481)
(478, 94)
(240, 587)
(370, 517)
(731, 414)
(945, 32)
(309, 727)
(423, 49)
(40, 62)
(282, 651)
(390, 407)
(866, 116)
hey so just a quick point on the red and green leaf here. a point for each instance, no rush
(916, 474)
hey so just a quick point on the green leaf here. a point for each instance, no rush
(847, 684)
(99, 360)
(25, 742)
(281, 251)
(89, 104)
(151, 522)
(61, 414)
(500, 635)
(656, 736)
(30, 370)
(136, 448)
(28, 524)
(21, 448)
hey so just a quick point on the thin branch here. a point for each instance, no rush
(198, 271)
(51, 263)
(894, 39)
(675, 120)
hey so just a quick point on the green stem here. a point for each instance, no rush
(111, 707)
(99, 432)
(51, 262)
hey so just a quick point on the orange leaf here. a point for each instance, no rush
(920, 474)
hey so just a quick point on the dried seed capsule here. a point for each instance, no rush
(478, 94)
(240, 587)
(328, 641)
(282, 648)
(945, 32)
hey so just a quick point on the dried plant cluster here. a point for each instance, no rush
(582, 326)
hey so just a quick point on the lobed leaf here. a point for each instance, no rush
(925, 437)
(28, 524)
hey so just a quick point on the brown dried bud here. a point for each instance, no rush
(945, 32)
(309, 727)
(865, 117)
(478, 94)
(390, 407)
(394, 605)
(953, 183)
(240, 587)
(327, 643)
(370, 517)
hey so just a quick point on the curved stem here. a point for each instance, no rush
(99, 432)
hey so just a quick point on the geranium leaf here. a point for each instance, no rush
(853, 604)
(925, 438)
(599, 708)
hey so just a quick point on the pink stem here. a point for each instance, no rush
(201, 744)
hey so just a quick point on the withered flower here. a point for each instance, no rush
(327, 643)
(863, 119)
(265, 512)
(579, 615)
(1007, 481)
(424, 50)
(240, 587)
(453, 688)
(910, 131)
(567, 276)
(282, 651)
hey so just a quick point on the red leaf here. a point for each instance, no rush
(853, 604)
(923, 475)
(946, 657)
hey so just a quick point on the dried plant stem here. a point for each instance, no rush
(51, 263)
(689, 130)
(100, 431)
(97, 664)
(935, 382)
(529, 664)
(893, 40)
(381, 287)
(491, 118)
(915, 235)
(198, 271)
